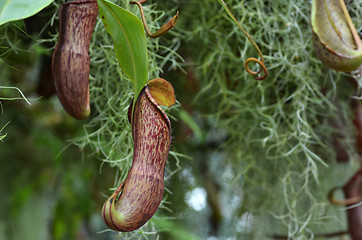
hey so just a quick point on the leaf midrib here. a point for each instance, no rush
(128, 43)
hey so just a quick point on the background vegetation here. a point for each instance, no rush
(249, 160)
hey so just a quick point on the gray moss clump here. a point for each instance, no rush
(279, 153)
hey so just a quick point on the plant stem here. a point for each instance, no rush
(164, 29)
(260, 62)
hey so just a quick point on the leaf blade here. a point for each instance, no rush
(129, 42)
(12, 10)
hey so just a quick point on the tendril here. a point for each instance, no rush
(348, 201)
(251, 59)
(164, 29)
(255, 74)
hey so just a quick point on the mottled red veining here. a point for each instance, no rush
(143, 189)
(70, 65)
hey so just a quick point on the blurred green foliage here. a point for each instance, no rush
(263, 152)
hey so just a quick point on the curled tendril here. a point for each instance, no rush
(164, 29)
(255, 74)
(260, 62)
(348, 201)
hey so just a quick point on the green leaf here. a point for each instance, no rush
(11, 10)
(129, 42)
